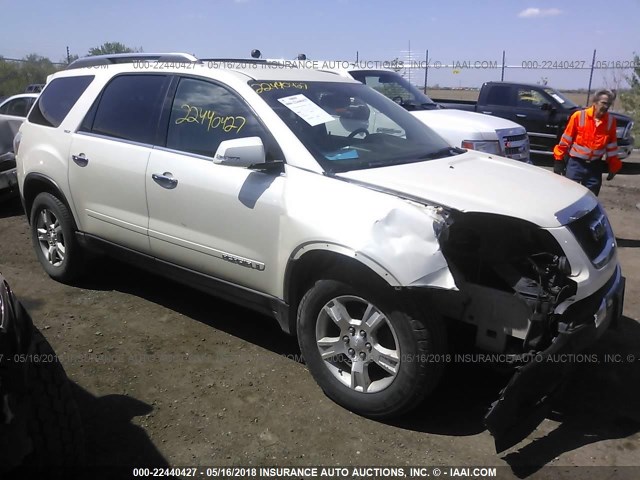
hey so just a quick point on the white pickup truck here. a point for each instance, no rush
(471, 130)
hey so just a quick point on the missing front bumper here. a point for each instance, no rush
(525, 401)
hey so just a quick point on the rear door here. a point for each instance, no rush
(498, 101)
(109, 156)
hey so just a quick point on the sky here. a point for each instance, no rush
(465, 39)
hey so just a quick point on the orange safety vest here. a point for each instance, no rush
(588, 142)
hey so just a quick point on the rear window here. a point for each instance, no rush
(58, 99)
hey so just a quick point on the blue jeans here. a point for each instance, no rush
(588, 174)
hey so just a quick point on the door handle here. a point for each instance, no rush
(521, 115)
(80, 159)
(487, 113)
(165, 180)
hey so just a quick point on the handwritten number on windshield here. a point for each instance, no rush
(268, 86)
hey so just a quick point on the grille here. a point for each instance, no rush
(516, 138)
(594, 235)
(514, 143)
(512, 151)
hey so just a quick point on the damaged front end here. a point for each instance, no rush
(512, 275)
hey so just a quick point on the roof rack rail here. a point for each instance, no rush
(252, 61)
(110, 59)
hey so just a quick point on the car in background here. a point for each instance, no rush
(541, 109)
(13, 111)
(18, 105)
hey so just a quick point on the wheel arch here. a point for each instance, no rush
(313, 262)
(35, 184)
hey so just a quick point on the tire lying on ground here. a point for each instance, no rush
(54, 424)
(40, 423)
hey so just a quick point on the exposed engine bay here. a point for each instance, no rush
(509, 283)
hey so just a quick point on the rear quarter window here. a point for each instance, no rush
(58, 99)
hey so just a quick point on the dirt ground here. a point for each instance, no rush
(167, 376)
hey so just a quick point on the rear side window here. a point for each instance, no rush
(129, 108)
(58, 99)
(499, 95)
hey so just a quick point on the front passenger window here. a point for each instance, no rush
(528, 98)
(204, 114)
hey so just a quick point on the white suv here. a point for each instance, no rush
(267, 186)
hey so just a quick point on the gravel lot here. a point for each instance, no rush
(165, 375)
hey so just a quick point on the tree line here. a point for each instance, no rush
(15, 75)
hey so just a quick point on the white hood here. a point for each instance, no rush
(477, 182)
(459, 120)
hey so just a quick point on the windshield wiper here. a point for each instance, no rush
(443, 152)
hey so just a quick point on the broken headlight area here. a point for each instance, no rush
(511, 274)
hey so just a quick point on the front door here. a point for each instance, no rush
(533, 111)
(219, 220)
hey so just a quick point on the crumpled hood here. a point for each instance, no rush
(478, 182)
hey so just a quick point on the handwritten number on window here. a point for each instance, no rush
(228, 123)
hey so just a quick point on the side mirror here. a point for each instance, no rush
(240, 152)
(547, 106)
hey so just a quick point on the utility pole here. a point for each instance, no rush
(593, 62)
(68, 56)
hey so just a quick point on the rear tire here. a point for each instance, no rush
(53, 238)
(367, 351)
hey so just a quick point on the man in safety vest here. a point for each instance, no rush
(590, 134)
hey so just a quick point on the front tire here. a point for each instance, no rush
(53, 237)
(366, 351)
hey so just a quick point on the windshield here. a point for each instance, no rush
(560, 98)
(396, 87)
(348, 126)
